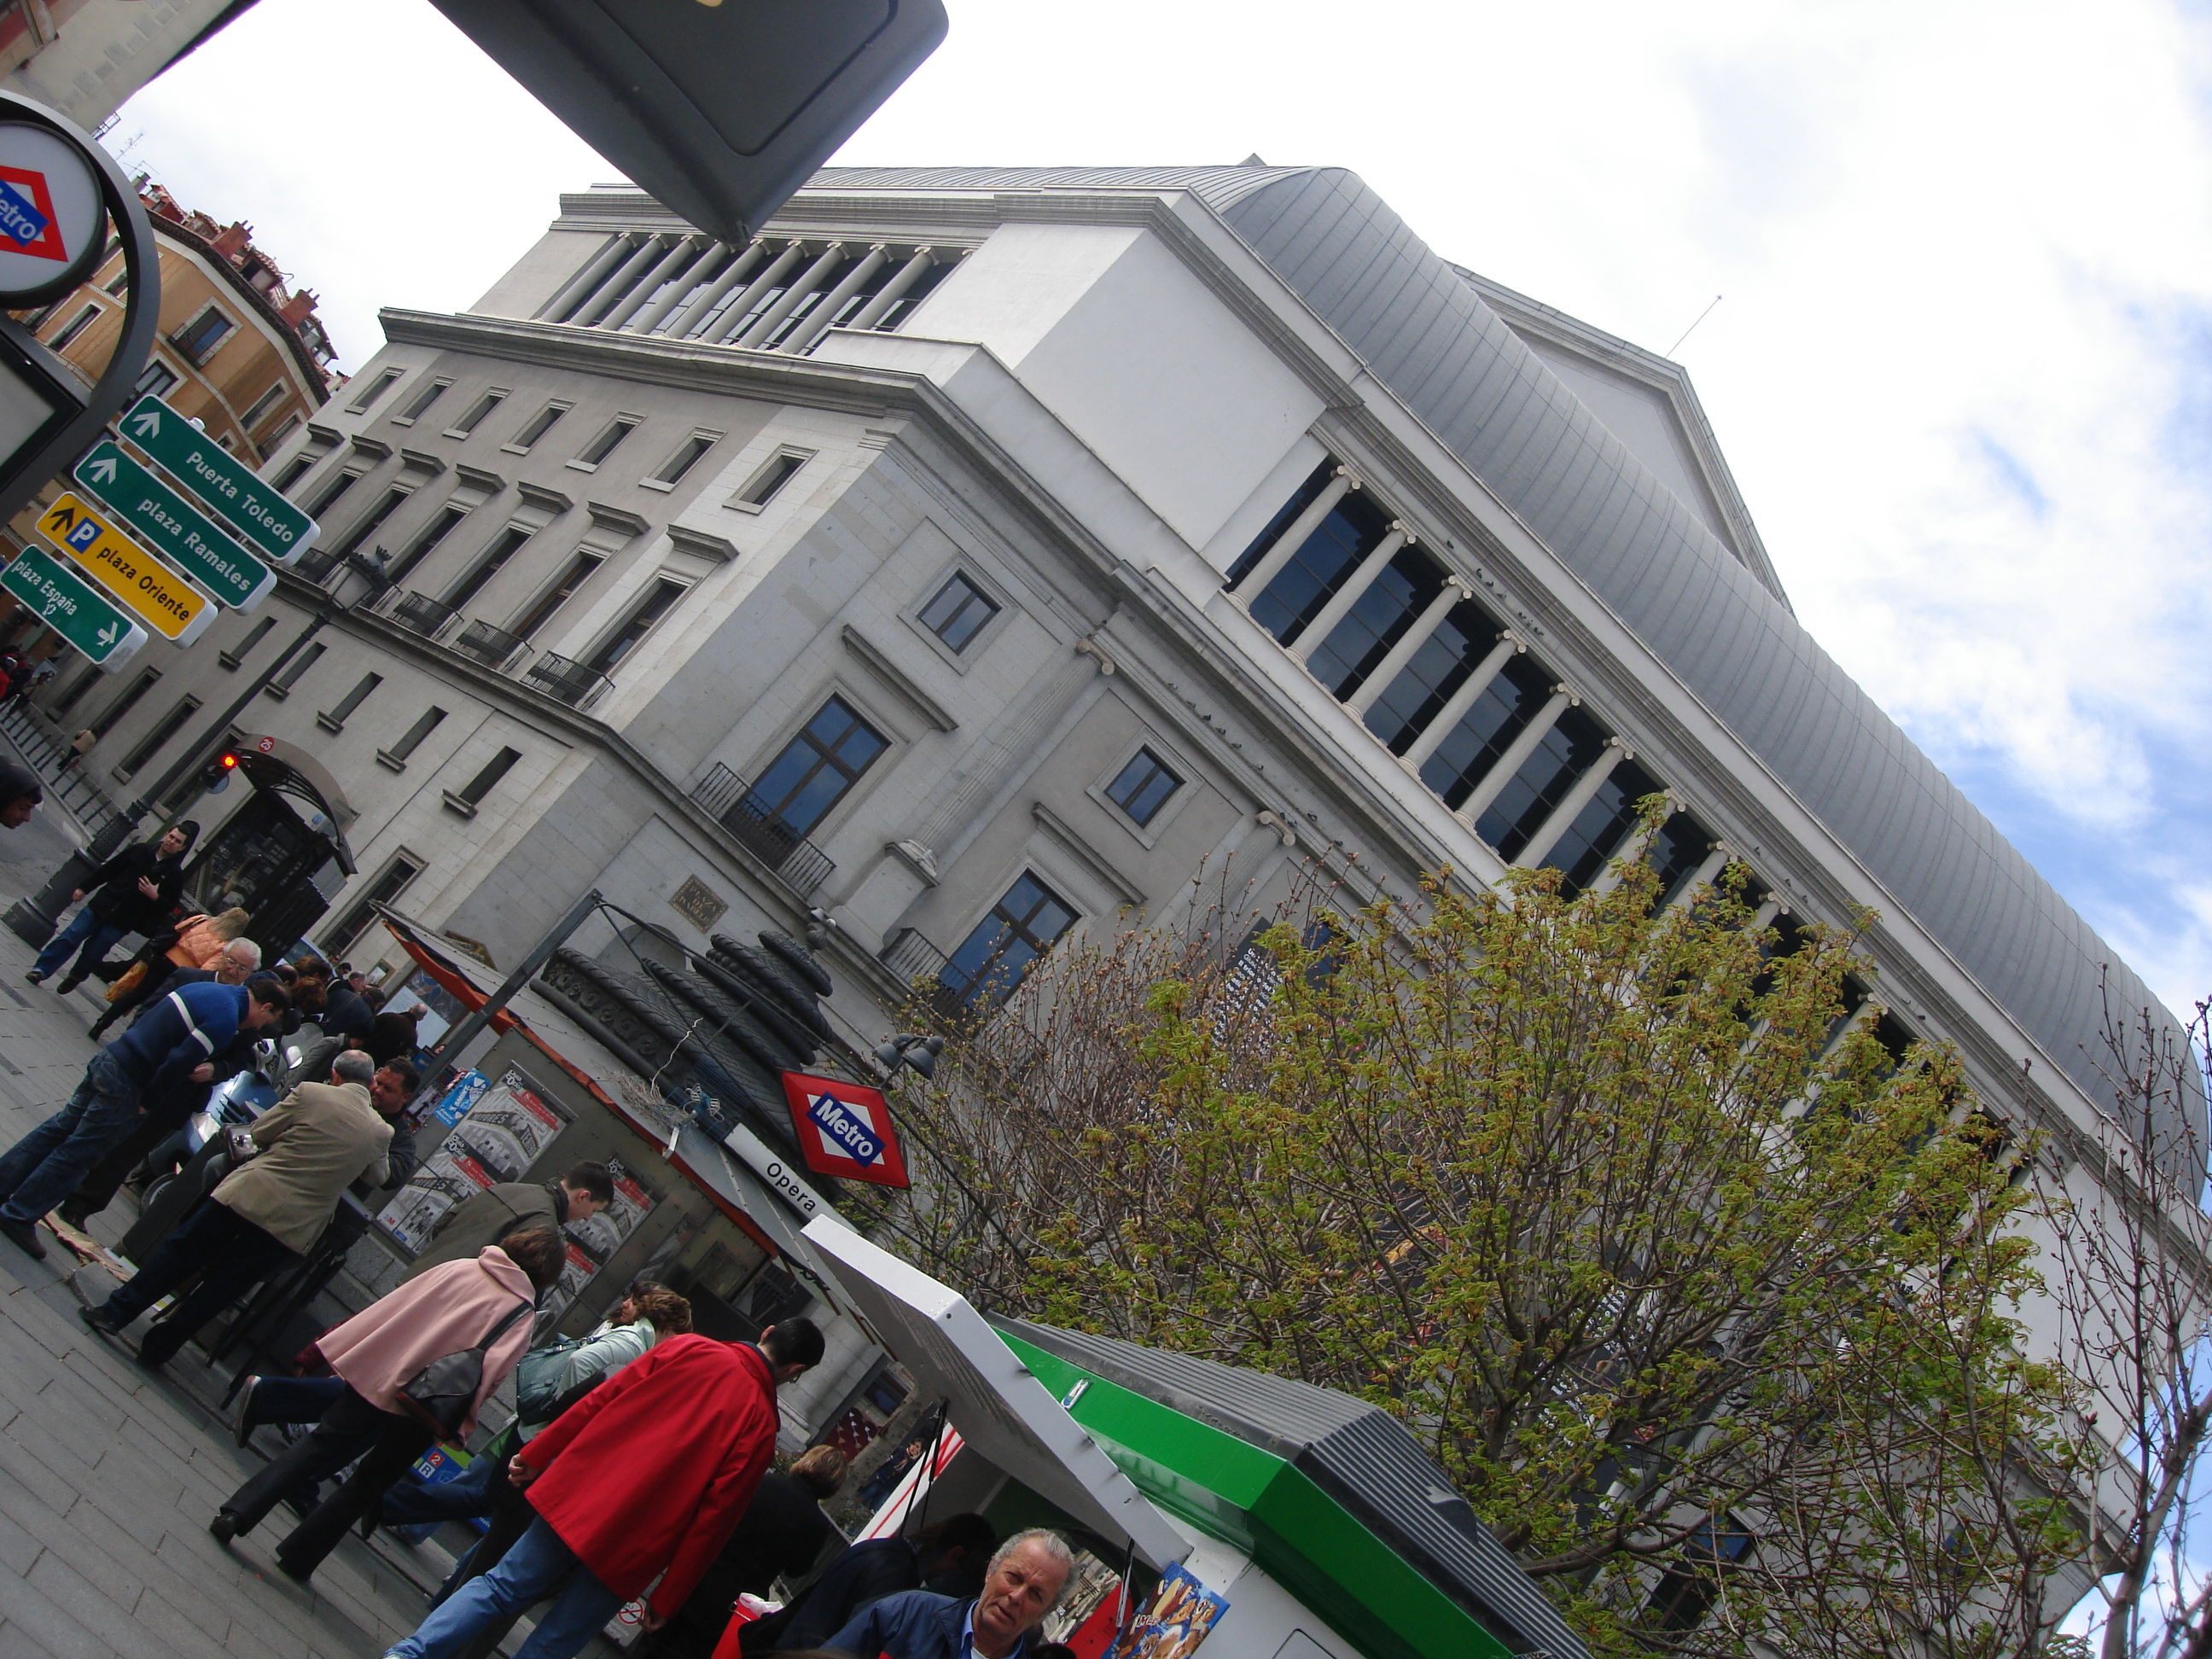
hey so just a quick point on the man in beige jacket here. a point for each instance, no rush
(266, 1214)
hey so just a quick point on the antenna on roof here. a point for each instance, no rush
(1693, 328)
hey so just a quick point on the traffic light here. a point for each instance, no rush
(216, 773)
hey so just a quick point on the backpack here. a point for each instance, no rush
(538, 1396)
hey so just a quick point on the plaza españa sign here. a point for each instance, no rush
(165, 601)
(54, 594)
(149, 510)
(240, 499)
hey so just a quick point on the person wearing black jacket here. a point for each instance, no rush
(134, 892)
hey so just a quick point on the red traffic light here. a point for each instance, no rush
(227, 761)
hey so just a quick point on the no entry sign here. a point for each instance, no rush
(52, 222)
(844, 1129)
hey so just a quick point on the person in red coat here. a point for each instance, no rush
(637, 1487)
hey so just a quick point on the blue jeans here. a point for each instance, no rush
(466, 1496)
(538, 1565)
(230, 1254)
(42, 1168)
(88, 931)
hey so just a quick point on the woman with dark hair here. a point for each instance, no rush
(488, 1302)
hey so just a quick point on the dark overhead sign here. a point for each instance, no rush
(720, 109)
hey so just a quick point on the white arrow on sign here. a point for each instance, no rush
(102, 471)
(108, 635)
(146, 424)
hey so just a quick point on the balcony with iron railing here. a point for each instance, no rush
(419, 613)
(912, 956)
(494, 647)
(566, 680)
(316, 564)
(731, 801)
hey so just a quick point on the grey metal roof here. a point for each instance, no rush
(1427, 334)
(1358, 1454)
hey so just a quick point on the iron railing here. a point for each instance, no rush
(494, 647)
(912, 956)
(316, 564)
(566, 680)
(730, 800)
(422, 614)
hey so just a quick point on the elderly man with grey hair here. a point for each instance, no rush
(1025, 1582)
(266, 1214)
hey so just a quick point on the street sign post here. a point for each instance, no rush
(87, 621)
(148, 589)
(265, 519)
(151, 513)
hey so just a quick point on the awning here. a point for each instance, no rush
(1002, 1410)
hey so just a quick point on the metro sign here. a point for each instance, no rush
(844, 1129)
(27, 214)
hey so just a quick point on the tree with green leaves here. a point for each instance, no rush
(1707, 1301)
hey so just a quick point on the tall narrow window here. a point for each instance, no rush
(1519, 810)
(538, 426)
(123, 705)
(771, 478)
(1323, 564)
(477, 412)
(957, 612)
(1472, 747)
(370, 522)
(196, 340)
(656, 604)
(327, 497)
(281, 687)
(334, 720)
(607, 442)
(1385, 609)
(542, 607)
(992, 960)
(237, 653)
(419, 405)
(473, 792)
(411, 738)
(421, 548)
(159, 738)
(507, 544)
(1142, 786)
(156, 381)
(1598, 830)
(375, 390)
(796, 790)
(296, 469)
(83, 320)
(343, 935)
(1301, 498)
(259, 412)
(692, 450)
(1676, 854)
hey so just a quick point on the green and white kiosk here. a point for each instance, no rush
(1251, 1518)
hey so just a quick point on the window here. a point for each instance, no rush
(369, 523)
(1687, 1589)
(475, 418)
(992, 961)
(1677, 853)
(376, 389)
(796, 790)
(78, 324)
(471, 796)
(1432, 675)
(1597, 831)
(689, 454)
(957, 612)
(1325, 560)
(507, 544)
(541, 608)
(419, 404)
(540, 424)
(1472, 747)
(118, 282)
(155, 380)
(1142, 786)
(607, 442)
(342, 936)
(1401, 591)
(236, 656)
(123, 704)
(411, 739)
(771, 478)
(1518, 809)
(327, 498)
(420, 547)
(159, 738)
(296, 469)
(281, 687)
(334, 720)
(651, 609)
(1301, 498)
(197, 339)
(259, 412)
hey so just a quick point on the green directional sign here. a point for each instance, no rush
(65, 604)
(152, 514)
(247, 504)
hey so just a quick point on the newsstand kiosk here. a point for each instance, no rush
(1217, 1513)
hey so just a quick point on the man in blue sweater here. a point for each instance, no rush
(1025, 1581)
(173, 1043)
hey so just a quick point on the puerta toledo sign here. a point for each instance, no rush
(844, 1129)
(52, 224)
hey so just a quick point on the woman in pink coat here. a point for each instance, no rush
(446, 1310)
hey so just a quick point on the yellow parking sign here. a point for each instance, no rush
(148, 589)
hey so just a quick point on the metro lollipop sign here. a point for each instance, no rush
(844, 1129)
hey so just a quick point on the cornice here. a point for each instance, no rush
(721, 550)
(539, 496)
(1064, 837)
(896, 679)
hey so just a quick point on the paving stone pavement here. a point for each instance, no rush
(108, 1474)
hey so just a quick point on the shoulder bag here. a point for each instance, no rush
(441, 1394)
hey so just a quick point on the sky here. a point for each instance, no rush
(1961, 366)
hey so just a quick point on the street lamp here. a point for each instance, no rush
(364, 579)
(907, 1049)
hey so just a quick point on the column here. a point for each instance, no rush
(610, 293)
(684, 253)
(1573, 801)
(817, 321)
(651, 318)
(727, 323)
(1341, 602)
(1256, 580)
(744, 259)
(572, 291)
(1516, 755)
(1412, 639)
(1633, 849)
(891, 291)
(1764, 916)
(1705, 874)
(801, 288)
(1454, 709)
